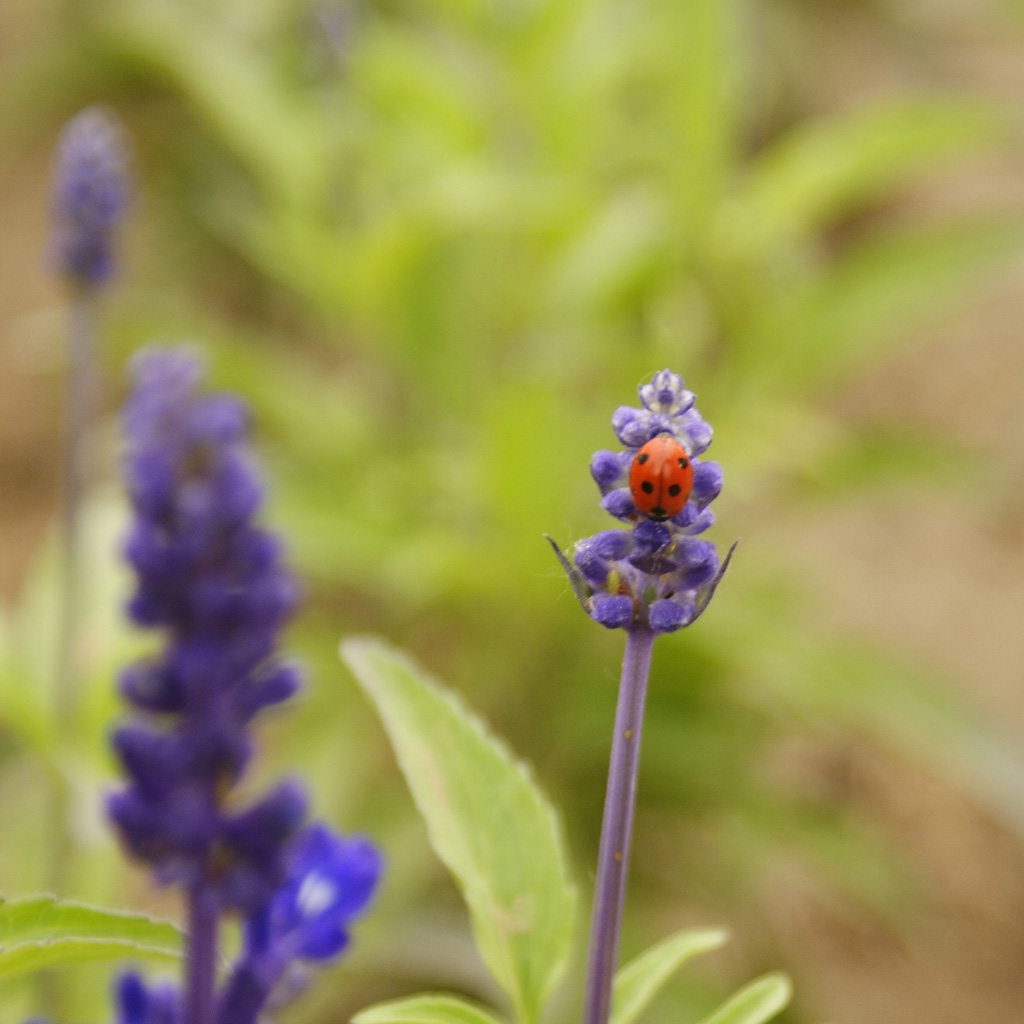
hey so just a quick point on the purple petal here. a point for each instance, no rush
(707, 482)
(666, 616)
(606, 469)
(612, 612)
(619, 504)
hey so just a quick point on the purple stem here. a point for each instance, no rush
(201, 955)
(616, 827)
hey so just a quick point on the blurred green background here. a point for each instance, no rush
(434, 244)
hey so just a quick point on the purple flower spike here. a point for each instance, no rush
(654, 577)
(657, 574)
(215, 582)
(89, 196)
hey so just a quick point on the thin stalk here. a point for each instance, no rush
(74, 472)
(617, 827)
(201, 955)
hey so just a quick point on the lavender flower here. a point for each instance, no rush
(89, 195)
(656, 573)
(214, 582)
(654, 577)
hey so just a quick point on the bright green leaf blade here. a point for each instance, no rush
(41, 932)
(756, 1003)
(638, 982)
(487, 820)
(34, 956)
(426, 1009)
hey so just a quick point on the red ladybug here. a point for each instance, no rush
(661, 477)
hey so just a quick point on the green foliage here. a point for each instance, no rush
(757, 1002)
(28, 657)
(638, 982)
(497, 834)
(488, 822)
(427, 1009)
(42, 932)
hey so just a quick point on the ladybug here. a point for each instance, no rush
(661, 477)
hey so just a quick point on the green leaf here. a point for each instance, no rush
(823, 169)
(878, 290)
(426, 1009)
(259, 118)
(638, 982)
(487, 821)
(757, 1002)
(40, 932)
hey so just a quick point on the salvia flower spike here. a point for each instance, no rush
(657, 572)
(90, 190)
(214, 583)
(655, 576)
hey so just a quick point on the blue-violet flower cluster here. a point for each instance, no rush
(214, 583)
(657, 573)
(89, 195)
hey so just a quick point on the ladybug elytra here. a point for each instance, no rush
(661, 477)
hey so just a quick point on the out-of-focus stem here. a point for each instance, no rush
(74, 473)
(616, 827)
(201, 962)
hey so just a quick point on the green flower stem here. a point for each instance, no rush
(616, 827)
(79, 416)
(81, 342)
(75, 472)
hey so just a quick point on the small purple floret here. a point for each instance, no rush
(707, 483)
(606, 469)
(612, 612)
(619, 503)
(329, 882)
(137, 1004)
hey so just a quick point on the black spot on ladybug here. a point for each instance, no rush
(642, 458)
(658, 513)
(683, 463)
(647, 487)
(674, 489)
